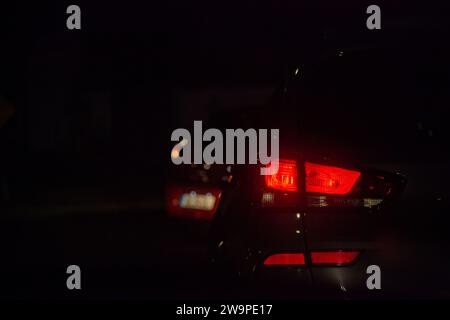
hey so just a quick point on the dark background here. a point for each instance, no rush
(87, 151)
(107, 97)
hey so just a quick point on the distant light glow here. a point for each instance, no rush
(175, 153)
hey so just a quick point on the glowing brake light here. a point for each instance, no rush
(286, 179)
(285, 259)
(329, 180)
(334, 257)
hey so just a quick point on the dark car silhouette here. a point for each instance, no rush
(364, 161)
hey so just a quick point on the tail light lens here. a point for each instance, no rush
(329, 186)
(334, 257)
(329, 180)
(286, 179)
(285, 259)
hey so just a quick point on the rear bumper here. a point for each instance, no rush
(345, 278)
(247, 247)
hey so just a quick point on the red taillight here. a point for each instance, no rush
(329, 180)
(285, 259)
(334, 257)
(286, 178)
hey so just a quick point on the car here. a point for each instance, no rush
(362, 153)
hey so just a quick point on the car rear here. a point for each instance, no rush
(353, 135)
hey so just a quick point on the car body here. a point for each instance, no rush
(354, 149)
